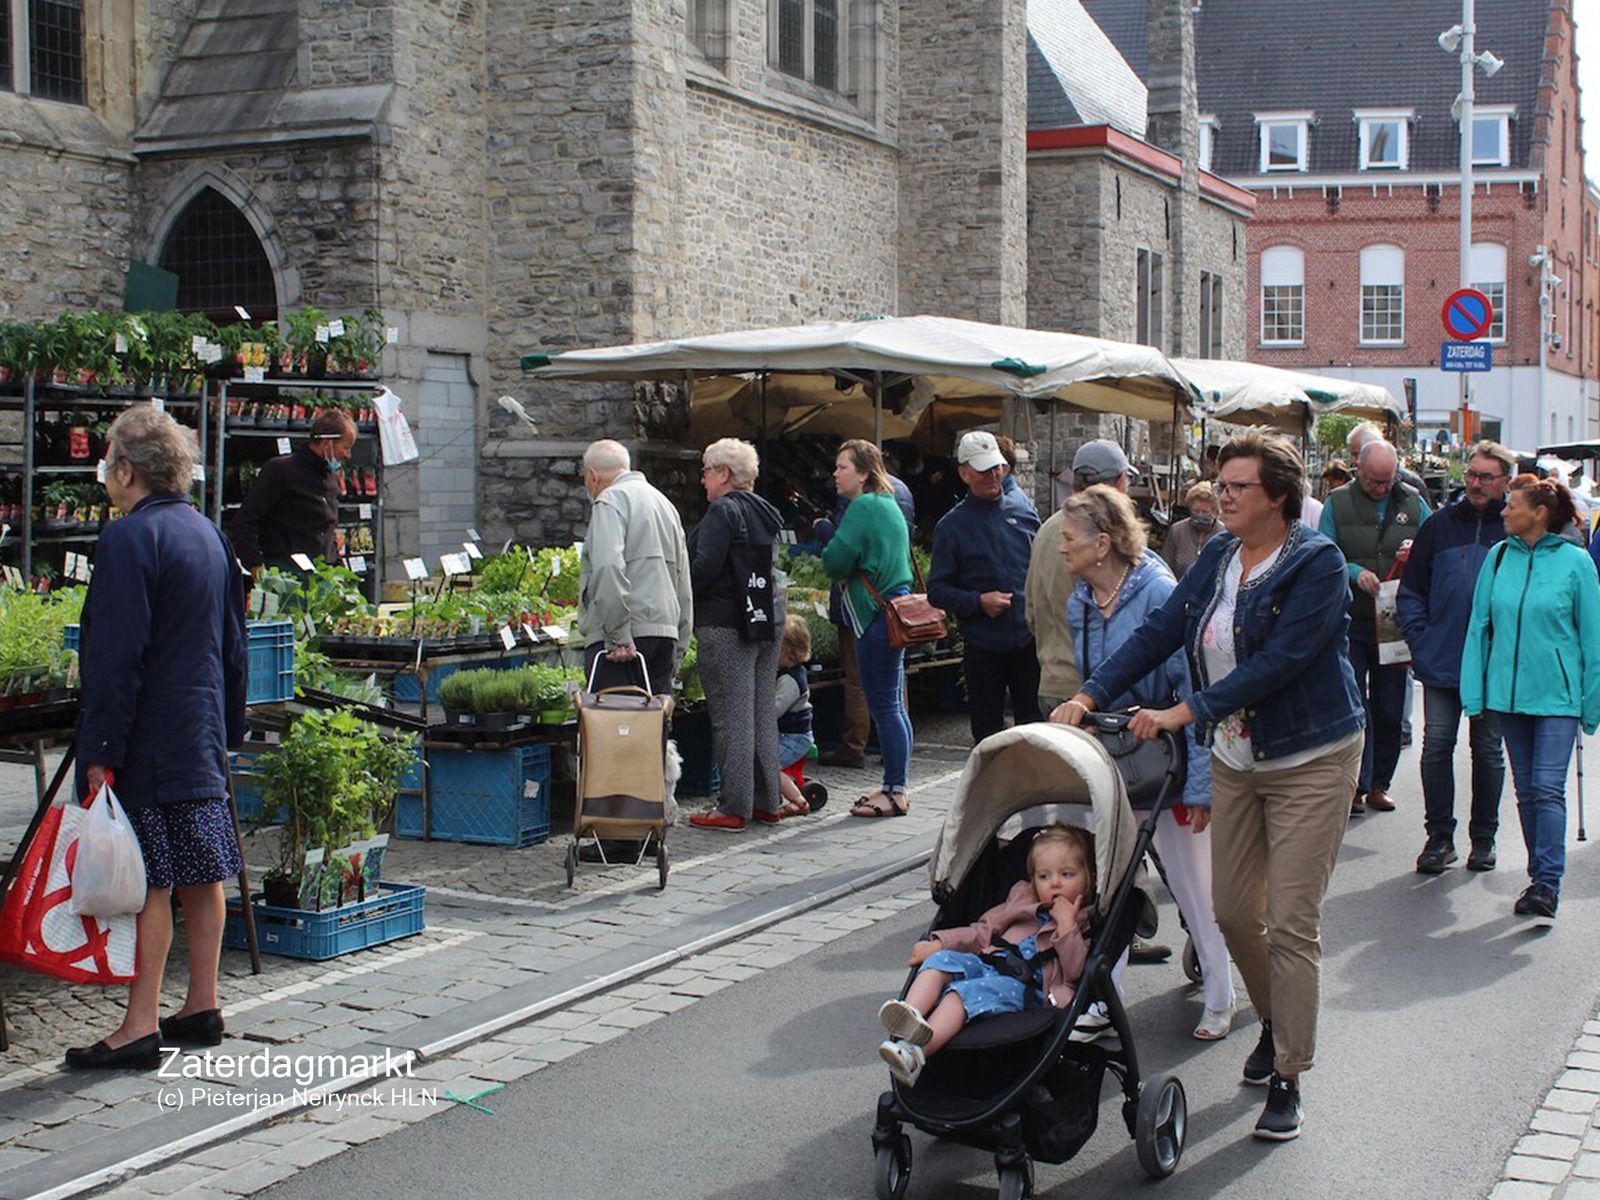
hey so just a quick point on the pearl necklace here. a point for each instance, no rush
(1115, 592)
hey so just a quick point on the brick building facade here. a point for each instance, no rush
(500, 178)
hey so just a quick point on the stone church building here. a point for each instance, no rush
(507, 177)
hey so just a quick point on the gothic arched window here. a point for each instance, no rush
(219, 262)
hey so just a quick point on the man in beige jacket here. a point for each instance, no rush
(1048, 586)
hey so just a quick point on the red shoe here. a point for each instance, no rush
(766, 818)
(717, 820)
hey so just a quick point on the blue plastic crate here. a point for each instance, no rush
(299, 933)
(271, 659)
(247, 796)
(490, 797)
(407, 688)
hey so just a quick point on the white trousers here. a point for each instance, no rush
(1186, 858)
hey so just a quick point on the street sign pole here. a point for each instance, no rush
(1468, 95)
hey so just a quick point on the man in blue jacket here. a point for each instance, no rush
(1434, 603)
(981, 549)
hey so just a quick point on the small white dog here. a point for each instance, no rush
(674, 772)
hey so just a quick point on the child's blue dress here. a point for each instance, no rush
(984, 991)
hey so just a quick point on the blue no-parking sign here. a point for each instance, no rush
(1467, 314)
(1465, 356)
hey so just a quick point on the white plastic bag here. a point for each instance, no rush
(1392, 648)
(395, 440)
(108, 872)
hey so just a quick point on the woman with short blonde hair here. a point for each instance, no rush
(738, 458)
(1187, 537)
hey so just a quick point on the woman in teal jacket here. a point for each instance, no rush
(1532, 656)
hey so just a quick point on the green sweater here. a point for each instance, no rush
(871, 539)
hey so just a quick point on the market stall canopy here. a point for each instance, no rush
(1255, 393)
(1573, 450)
(960, 360)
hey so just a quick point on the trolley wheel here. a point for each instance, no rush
(661, 866)
(1016, 1183)
(1163, 1122)
(1191, 962)
(572, 864)
(891, 1170)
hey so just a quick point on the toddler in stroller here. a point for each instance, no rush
(1025, 952)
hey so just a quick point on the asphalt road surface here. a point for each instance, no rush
(1445, 1020)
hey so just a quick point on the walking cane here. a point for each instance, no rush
(1583, 834)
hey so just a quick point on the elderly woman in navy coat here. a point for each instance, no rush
(164, 664)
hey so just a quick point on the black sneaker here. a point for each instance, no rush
(1258, 1067)
(1539, 900)
(1280, 1119)
(1438, 854)
(1482, 857)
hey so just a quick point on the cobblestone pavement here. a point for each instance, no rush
(505, 938)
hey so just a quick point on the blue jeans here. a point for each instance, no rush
(883, 680)
(1441, 714)
(1540, 749)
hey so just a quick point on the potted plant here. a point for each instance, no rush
(550, 693)
(331, 781)
(455, 694)
(497, 698)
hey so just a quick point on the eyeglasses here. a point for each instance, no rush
(1484, 476)
(1234, 489)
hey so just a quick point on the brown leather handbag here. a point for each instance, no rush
(910, 620)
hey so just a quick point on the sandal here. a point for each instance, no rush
(794, 808)
(869, 806)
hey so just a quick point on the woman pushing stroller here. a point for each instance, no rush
(1027, 951)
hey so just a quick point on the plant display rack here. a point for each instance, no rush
(238, 443)
(41, 534)
(396, 912)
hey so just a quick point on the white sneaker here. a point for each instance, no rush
(1214, 1024)
(903, 1021)
(1093, 1025)
(905, 1060)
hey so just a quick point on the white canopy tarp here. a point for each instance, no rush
(960, 360)
(1245, 392)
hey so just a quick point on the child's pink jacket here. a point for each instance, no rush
(1016, 918)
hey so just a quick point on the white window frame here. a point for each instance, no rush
(1486, 267)
(1381, 275)
(1267, 122)
(1150, 295)
(1401, 118)
(1211, 330)
(1276, 274)
(22, 55)
(1501, 113)
(711, 28)
(1208, 141)
(844, 17)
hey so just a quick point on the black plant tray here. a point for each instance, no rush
(39, 718)
(520, 734)
(370, 649)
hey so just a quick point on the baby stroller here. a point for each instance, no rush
(622, 788)
(1015, 1084)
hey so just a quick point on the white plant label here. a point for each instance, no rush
(211, 353)
(455, 564)
(122, 343)
(283, 446)
(533, 637)
(4, 529)
(365, 511)
(308, 628)
(336, 327)
(269, 605)
(391, 335)
(558, 632)
(323, 333)
(255, 374)
(197, 344)
(240, 309)
(301, 561)
(198, 472)
(555, 566)
(100, 471)
(473, 535)
(257, 602)
(508, 637)
(416, 569)
(820, 609)
(157, 403)
(358, 564)
(472, 549)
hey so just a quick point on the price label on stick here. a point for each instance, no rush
(301, 561)
(283, 445)
(100, 471)
(365, 512)
(308, 628)
(157, 403)
(391, 334)
(240, 309)
(558, 632)
(4, 529)
(323, 333)
(358, 564)
(255, 374)
(336, 327)
(533, 637)
(473, 535)
(416, 569)
(455, 564)
(555, 566)
(472, 549)
(269, 606)
(256, 602)
(508, 637)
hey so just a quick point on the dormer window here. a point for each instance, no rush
(1284, 138)
(1208, 141)
(1491, 135)
(1385, 139)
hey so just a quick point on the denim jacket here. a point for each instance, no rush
(1094, 638)
(1293, 681)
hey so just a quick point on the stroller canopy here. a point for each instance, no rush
(1027, 767)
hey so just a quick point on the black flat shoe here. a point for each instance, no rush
(144, 1054)
(197, 1029)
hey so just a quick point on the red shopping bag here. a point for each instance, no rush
(39, 933)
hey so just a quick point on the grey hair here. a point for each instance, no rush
(738, 456)
(1361, 459)
(1487, 449)
(1102, 508)
(161, 452)
(1363, 435)
(606, 456)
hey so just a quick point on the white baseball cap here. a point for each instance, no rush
(979, 451)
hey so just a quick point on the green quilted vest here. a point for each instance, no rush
(1355, 516)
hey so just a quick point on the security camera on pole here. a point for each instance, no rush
(1458, 38)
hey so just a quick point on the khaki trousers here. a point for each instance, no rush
(857, 720)
(1275, 836)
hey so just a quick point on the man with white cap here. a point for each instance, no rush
(981, 549)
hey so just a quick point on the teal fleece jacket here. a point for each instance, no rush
(872, 540)
(1533, 639)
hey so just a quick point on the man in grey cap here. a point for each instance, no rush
(981, 549)
(1100, 461)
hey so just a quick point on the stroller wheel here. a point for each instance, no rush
(661, 866)
(892, 1170)
(572, 864)
(1016, 1183)
(1191, 962)
(1163, 1122)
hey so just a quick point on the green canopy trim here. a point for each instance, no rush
(1015, 366)
(532, 362)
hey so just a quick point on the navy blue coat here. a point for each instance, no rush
(163, 656)
(1435, 597)
(984, 546)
